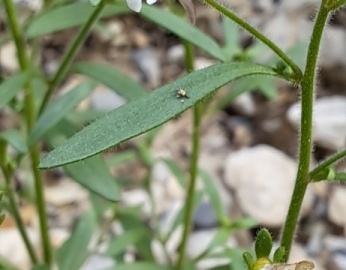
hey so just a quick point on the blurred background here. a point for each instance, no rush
(249, 142)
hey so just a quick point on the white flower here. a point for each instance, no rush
(136, 5)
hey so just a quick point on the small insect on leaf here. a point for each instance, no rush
(181, 94)
(302, 265)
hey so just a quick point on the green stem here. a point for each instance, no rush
(307, 93)
(16, 215)
(30, 116)
(260, 36)
(326, 163)
(193, 166)
(340, 176)
(71, 53)
(336, 5)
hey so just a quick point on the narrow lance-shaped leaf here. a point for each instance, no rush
(74, 251)
(13, 85)
(58, 109)
(92, 173)
(15, 139)
(213, 194)
(114, 79)
(68, 16)
(148, 112)
(183, 29)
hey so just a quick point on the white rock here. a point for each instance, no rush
(34, 5)
(297, 29)
(336, 206)
(265, 7)
(165, 187)
(97, 262)
(337, 248)
(13, 249)
(329, 129)
(245, 104)
(149, 65)
(297, 5)
(168, 218)
(8, 57)
(198, 242)
(263, 179)
(166, 226)
(202, 62)
(58, 236)
(158, 252)
(64, 193)
(112, 30)
(175, 53)
(137, 197)
(105, 99)
(333, 47)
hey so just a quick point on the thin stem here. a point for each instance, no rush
(16, 215)
(307, 93)
(260, 36)
(326, 163)
(71, 53)
(340, 176)
(30, 116)
(193, 166)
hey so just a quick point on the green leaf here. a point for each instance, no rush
(231, 33)
(80, 118)
(213, 194)
(148, 112)
(183, 29)
(94, 2)
(177, 171)
(236, 257)
(263, 84)
(68, 16)
(12, 86)
(179, 218)
(58, 109)
(139, 266)
(2, 218)
(279, 255)
(94, 175)
(15, 139)
(132, 221)
(123, 241)
(74, 251)
(114, 79)
(219, 239)
(121, 157)
(249, 260)
(244, 223)
(263, 244)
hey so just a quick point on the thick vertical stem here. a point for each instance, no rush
(30, 115)
(307, 101)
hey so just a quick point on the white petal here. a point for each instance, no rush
(150, 2)
(135, 5)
